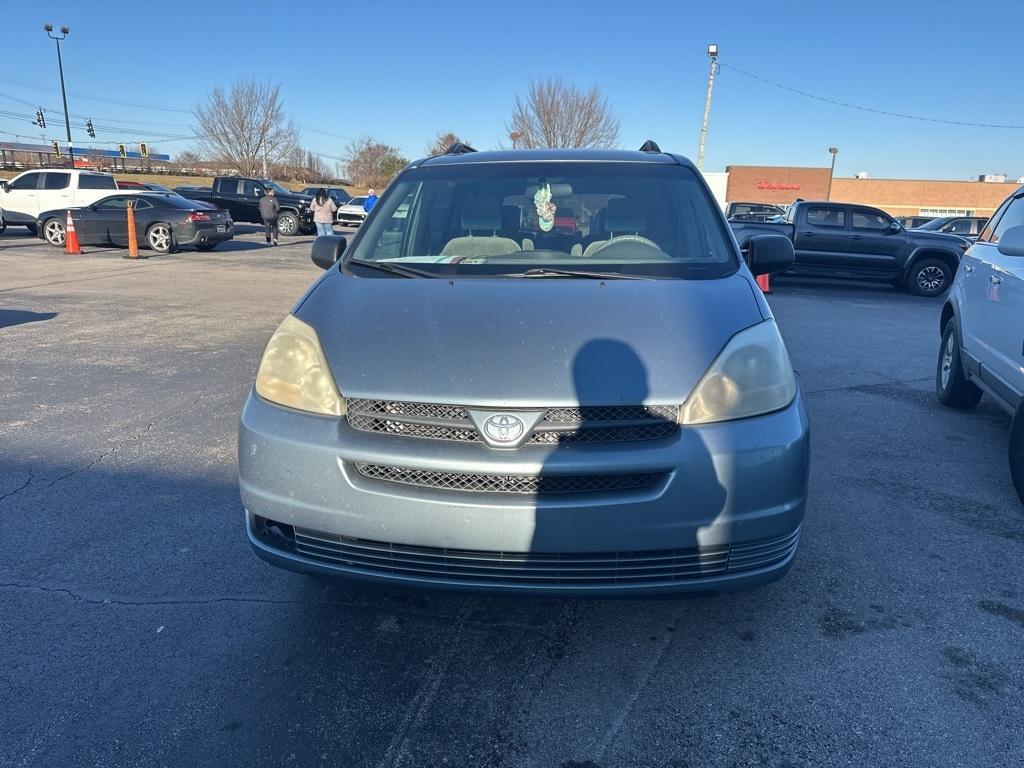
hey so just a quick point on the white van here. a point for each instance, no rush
(29, 193)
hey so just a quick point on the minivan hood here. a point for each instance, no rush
(525, 342)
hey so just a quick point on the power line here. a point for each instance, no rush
(91, 97)
(860, 108)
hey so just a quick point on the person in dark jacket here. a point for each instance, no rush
(370, 201)
(270, 208)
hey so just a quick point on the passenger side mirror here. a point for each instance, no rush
(1011, 242)
(5, 186)
(328, 250)
(769, 253)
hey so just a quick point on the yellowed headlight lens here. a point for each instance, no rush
(294, 371)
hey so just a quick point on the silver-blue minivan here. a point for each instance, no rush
(538, 371)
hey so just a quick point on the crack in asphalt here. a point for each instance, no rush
(117, 446)
(868, 387)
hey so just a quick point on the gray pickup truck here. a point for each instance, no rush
(856, 241)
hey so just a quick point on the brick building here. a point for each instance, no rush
(898, 197)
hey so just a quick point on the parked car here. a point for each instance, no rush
(982, 327)
(339, 195)
(968, 227)
(913, 222)
(461, 404)
(855, 241)
(240, 196)
(28, 193)
(141, 185)
(753, 211)
(351, 214)
(163, 222)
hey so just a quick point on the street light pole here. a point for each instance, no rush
(64, 31)
(832, 171)
(713, 55)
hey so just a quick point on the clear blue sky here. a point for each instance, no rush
(401, 71)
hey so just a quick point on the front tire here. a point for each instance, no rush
(54, 232)
(951, 386)
(929, 277)
(1017, 452)
(159, 238)
(288, 224)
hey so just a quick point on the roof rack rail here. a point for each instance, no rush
(458, 148)
(650, 146)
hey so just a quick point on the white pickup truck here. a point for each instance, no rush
(29, 193)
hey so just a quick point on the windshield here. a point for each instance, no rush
(276, 187)
(494, 219)
(935, 224)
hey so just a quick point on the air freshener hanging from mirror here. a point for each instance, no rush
(545, 208)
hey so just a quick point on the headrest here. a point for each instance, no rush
(481, 213)
(623, 215)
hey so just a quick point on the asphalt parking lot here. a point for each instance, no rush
(139, 630)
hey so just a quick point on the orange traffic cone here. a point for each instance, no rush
(764, 283)
(71, 238)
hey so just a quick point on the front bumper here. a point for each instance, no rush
(726, 515)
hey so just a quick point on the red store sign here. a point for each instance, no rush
(774, 185)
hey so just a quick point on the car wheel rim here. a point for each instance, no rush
(947, 361)
(931, 279)
(55, 232)
(287, 225)
(159, 238)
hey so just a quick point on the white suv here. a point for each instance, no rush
(25, 196)
(982, 326)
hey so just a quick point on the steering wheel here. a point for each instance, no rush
(628, 247)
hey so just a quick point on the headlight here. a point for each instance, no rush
(751, 376)
(294, 371)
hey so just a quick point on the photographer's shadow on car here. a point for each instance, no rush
(640, 521)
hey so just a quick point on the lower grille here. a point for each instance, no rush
(525, 484)
(528, 569)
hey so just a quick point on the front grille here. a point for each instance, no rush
(538, 569)
(538, 485)
(586, 424)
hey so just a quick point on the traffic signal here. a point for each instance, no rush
(143, 149)
(89, 129)
(121, 149)
(56, 147)
(40, 118)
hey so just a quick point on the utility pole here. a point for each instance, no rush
(713, 55)
(832, 172)
(64, 31)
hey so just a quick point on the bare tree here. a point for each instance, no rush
(188, 159)
(442, 141)
(246, 127)
(372, 164)
(554, 114)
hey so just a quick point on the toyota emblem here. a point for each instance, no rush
(504, 428)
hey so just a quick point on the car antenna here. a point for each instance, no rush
(650, 146)
(459, 148)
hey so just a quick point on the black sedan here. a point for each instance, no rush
(163, 221)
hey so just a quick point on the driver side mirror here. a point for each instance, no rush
(769, 253)
(893, 229)
(328, 250)
(1011, 243)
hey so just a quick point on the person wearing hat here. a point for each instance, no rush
(270, 208)
(370, 201)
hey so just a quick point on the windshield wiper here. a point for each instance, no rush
(545, 272)
(394, 269)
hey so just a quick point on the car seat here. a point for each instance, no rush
(624, 220)
(480, 215)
